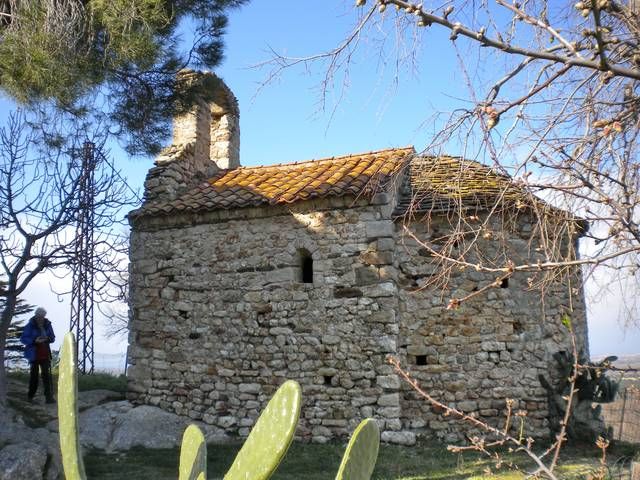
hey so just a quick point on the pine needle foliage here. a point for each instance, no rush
(127, 52)
(13, 348)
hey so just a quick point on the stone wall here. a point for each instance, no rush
(221, 317)
(492, 347)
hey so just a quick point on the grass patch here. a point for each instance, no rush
(106, 381)
(95, 381)
(144, 464)
(138, 463)
(319, 462)
(19, 375)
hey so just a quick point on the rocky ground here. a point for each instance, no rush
(29, 446)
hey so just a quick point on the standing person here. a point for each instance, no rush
(37, 336)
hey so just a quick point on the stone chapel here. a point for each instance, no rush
(318, 271)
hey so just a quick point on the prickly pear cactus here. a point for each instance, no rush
(193, 455)
(270, 437)
(68, 411)
(258, 458)
(360, 457)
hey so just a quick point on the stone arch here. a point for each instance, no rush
(212, 126)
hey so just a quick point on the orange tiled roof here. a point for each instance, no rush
(359, 174)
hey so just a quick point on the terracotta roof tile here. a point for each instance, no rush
(357, 174)
(438, 183)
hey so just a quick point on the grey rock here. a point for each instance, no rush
(249, 388)
(366, 275)
(389, 381)
(389, 400)
(22, 461)
(148, 427)
(119, 425)
(13, 431)
(380, 228)
(468, 405)
(96, 424)
(330, 339)
(386, 289)
(92, 398)
(386, 344)
(400, 438)
(227, 421)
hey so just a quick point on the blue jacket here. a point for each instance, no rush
(29, 335)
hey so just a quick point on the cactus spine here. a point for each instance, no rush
(270, 437)
(193, 455)
(360, 457)
(68, 411)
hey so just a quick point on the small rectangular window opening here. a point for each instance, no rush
(307, 270)
(518, 327)
(306, 266)
(327, 380)
(504, 283)
(421, 359)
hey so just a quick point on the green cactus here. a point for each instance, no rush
(68, 411)
(270, 437)
(193, 455)
(360, 457)
(258, 458)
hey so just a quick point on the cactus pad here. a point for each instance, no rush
(360, 457)
(68, 411)
(270, 437)
(193, 455)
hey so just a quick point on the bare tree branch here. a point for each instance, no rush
(40, 205)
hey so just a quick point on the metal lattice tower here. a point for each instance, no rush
(81, 323)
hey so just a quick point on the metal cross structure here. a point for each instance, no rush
(81, 323)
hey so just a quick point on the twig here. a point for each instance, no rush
(519, 445)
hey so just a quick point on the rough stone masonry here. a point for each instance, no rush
(243, 277)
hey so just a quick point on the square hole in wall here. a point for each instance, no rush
(327, 380)
(421, 359)
(518, 328)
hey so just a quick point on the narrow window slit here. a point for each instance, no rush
(306, 266)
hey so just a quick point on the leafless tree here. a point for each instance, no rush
(117, 322)
(116, 314)
(552, 107)
(557, 111)
(40, 178)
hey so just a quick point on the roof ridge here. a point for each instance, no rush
(463, 161)
(317, 160)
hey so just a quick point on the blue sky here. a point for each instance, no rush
(283, 122)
